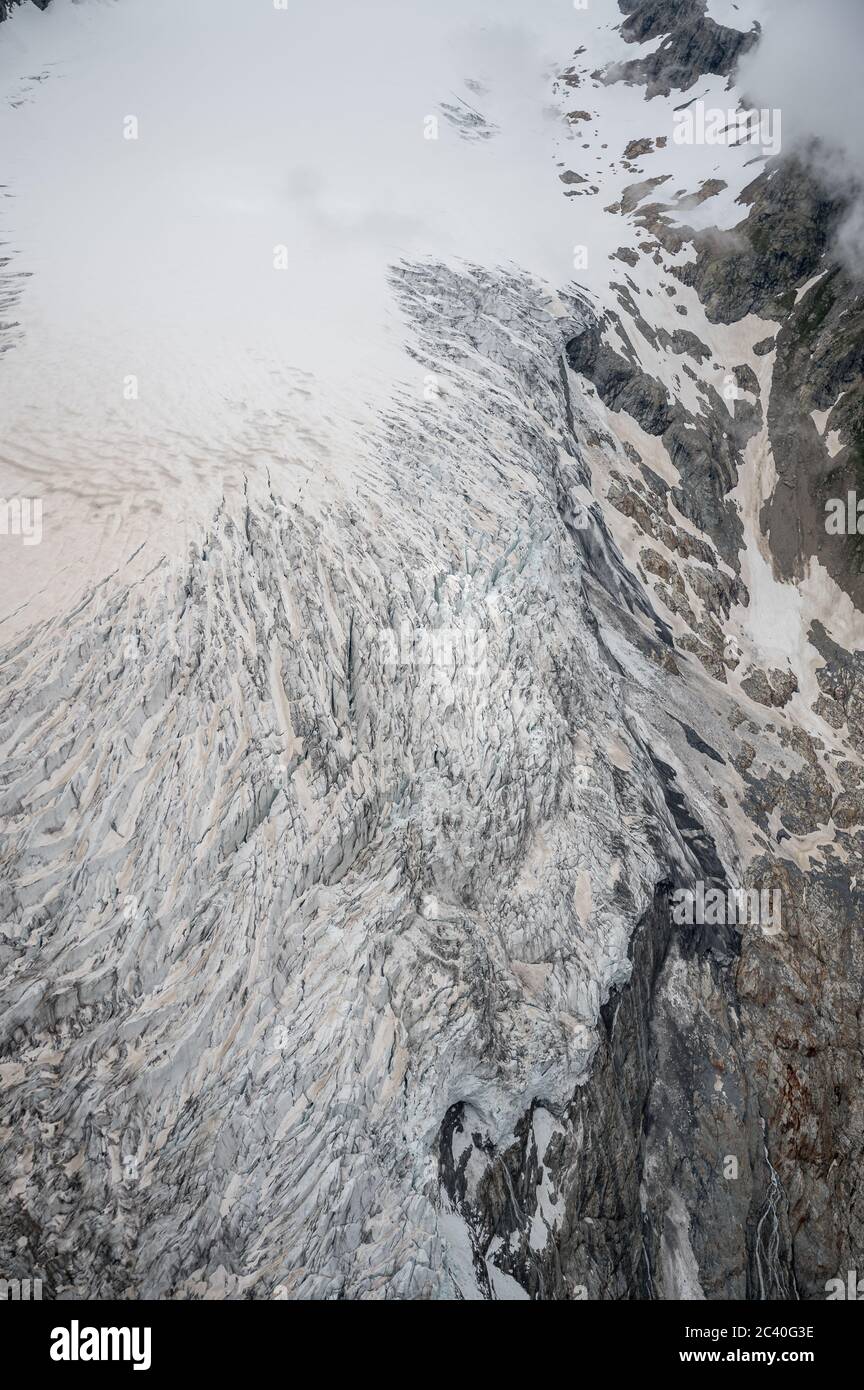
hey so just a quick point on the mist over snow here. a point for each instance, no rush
(153, 258)
(808, 63)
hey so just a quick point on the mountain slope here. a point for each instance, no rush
(338, 949)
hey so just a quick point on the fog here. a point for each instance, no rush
(808, 63)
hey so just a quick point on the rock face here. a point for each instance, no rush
(7, 6)
(691, 44)
(705, 449)
(342, 952)
(778, 246)
(816, 420)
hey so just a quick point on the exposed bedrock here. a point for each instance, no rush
(705, 449)
(653, 1182)
(692, 44)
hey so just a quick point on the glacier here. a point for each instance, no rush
(416, 611)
